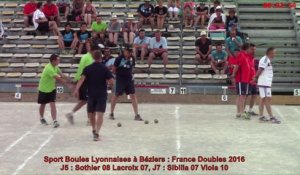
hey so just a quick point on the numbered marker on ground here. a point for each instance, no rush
(60, 89)
(172, 90)
(183, 90)
(296, 92)
(224, 98)
(18, 96)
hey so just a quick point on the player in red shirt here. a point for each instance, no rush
(232, 65)
(28, 11)
(252, 86)
(242, 78)
(51, 11)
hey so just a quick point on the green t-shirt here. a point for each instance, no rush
(85, 61)
(219, 55)
(47, 81)
(232, 45)
(99, 27)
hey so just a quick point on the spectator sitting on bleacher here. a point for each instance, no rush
(140, 46)
(161, 12)
(51, 12)
(232, 43)
(113, 30)
(173, 9)
(68, 39)
(203, 48)
(219, 59)
(99, 28)
(201, 14)
(213, 9)
(107, 59)
(28, 11)
(146, 11)
(76, 11)
(41, 23)
(2, 30)
(63, 7)
(129, 29)
(188, 13)
(231, 20)
(88, 13)
(217, 20)
(158, 48)
(83, 36)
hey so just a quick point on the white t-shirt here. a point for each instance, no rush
(161, 44)
(37, 15)
(212, 17)
(266, 77)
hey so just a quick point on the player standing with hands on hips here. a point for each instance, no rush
(124, 82)
(264, 78)
(97, 77)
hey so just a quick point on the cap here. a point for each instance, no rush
(114, 17)
(203, 33)
(219, 7)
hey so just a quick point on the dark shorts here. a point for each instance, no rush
(43, 27)
(96, 105)
(68, 43)
(124, 86)
(139, 53)
(62, 9)
(44, 98)
(83, 92)
(158, 55)
(253, 90)
(242, 88)
(30, 20)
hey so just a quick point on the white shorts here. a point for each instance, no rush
(173, 9)
(265, 92)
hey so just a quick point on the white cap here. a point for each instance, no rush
(203, 33)
(219, 7)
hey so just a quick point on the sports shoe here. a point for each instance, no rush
(111, 116)
(263, 119)
(43, 121)
(138, 118)
(55, 124)
(238, 116)
(96, 137)
(70, 118)
(246, 116)
(252, 113)
(274, 120)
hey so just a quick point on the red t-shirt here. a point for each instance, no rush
(231, 62)
(244, 72)
(29, 8)
(50, 10)
(251, 60)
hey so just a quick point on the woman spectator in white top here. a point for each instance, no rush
(41, 23)
(174, 8)
(217, 20)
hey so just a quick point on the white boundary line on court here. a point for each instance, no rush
(18, 140)
(295, 130)
(20, 167)
(178, 136)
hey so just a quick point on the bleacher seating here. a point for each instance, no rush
(23, 56)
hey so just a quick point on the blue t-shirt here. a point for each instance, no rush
(231, 45)
(83, 36)
(68, 36)
(96, 76)
(124, 68)
(219, 55)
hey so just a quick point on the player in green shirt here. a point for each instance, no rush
(85, 61)
(47, 88)
(99, 28)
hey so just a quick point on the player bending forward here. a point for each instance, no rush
(264, 78)
(47, 90)
(97, 77)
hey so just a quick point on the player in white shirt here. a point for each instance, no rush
(264, 78)
(41, 23)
